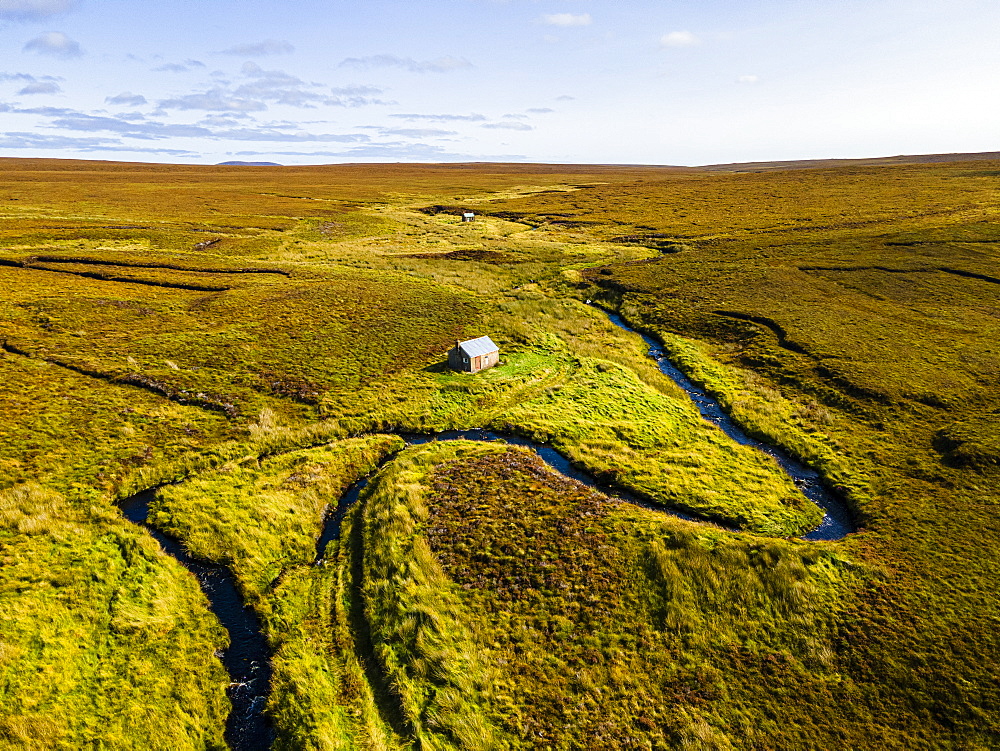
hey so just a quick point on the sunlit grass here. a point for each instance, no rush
(847, 314)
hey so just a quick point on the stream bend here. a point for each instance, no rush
(838, 521)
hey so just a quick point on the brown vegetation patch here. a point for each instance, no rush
(531, 552)
(521, 546)
(486, 256)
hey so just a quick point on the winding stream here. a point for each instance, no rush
(837, 520)
(248, 658)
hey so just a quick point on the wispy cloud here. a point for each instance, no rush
(18, 140)
(679, 39)
(540, 110)
(356, 101)
(270, 78)
(224, 119)
(44, 111)
(567, 19)
(436, 65)
(54, 43)
(279, 135)
(126, 98)
(283, 88)
(261, 87)
(412, 132)
(217, 128)
(27, 77)
(179, 67)
(213, 100)
(261, 49)
(355, 90)
(398, 150)
(507, 126)
(142, 129)
(355, 96)
(40, 87)
(32, 10)
(565, 98)
(441, 118)
(748, 79)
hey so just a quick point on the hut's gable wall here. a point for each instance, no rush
(455, 359)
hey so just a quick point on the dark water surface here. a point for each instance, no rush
(247, 659)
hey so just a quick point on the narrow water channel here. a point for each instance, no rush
(837, 520)
(247, 659)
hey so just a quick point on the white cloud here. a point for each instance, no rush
(507, 126)
(437, 65)
(215, 100)
(224, 120)
(355, 90)
(261, 86)
(679, 39)
(54, 43)
(217, 128)
(27, 77)
(747, 79)
(540, 110)
(412, 132)
(271, 78)
(38, 141)
(179, 67)
(126, 98)
(284, 88)
(567, 19)
(259, 49)
(355, 96)
(32, 10)
(442, 118)
(40, 87)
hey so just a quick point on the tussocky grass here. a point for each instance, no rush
(845, 313)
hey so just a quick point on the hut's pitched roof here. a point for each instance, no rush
(477, 347)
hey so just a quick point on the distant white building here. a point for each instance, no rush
(468, 216)
(474, 355)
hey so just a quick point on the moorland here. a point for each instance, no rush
(251, 342)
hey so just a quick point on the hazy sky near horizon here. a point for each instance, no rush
(585, 81)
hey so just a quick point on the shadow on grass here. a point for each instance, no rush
(438, 367)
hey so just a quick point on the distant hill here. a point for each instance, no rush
(248, 164)
(874, 162)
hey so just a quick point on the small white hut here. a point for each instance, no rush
(474, 355)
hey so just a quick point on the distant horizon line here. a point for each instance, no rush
(763, 165)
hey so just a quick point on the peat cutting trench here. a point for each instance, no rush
(247, 659)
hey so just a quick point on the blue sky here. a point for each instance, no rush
(582, 81)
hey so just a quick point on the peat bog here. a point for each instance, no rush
(256, 344)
